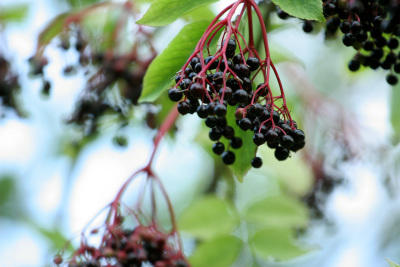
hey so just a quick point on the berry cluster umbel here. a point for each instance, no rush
(372, 27)
(141, 246)
(213, 85)
(113, 73)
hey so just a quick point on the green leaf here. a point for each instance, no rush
(208, 217)
(294, 174)
(13, 13)
(303, 9)
(53, 29)
(276, 243)
(246, 153)
(395, 112)
(161, 71)
(278, 211)
(218, 252)
(54, 236)
(163, 12)
(392, 264)
(200, 13)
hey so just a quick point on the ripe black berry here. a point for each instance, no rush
(241, 96)
(253, 63)
(256, 162)
(228, 157)
(175, 94)
(287, 141)
(196, 90)
(211, 122)
(202, 111)
(307, 26)
(348, 39)
(220, 110)
(236, 142)
(391, 79)
(281, 153)
(258, 139)
(218, 148)
(282, 14)
(354, 65)
(183, 107)
(245, 124)
(228, 132)
(393, 43)
(215, 134)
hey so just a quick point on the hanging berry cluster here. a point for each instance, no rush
(213, 83)
(146, 244)
(114, 70)
(122, 247)
(9, 87)
(372, 27)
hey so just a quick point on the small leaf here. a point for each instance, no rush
(392, 264)
(163, 12)
(53, 29)
(395, 112)
(301, 182)
(14, 13)
(201, 13)
(54, 236)
(208, 217)
(276, 243)
(218, 252)
(278, 211)
(161, 71)
(246, 153)
(303, 9)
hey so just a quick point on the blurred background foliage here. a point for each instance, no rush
(284, 214)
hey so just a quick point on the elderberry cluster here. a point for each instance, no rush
(9, 86)
(142, 246)
(113, 81)
(372, 27)
(211, 86)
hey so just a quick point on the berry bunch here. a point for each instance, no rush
(145, 244)
(113, 71)
(141, 246)
(372, 27)
(9, 86)
(216, 84)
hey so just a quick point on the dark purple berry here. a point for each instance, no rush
(218, 148)
(228, 157)
(256, 162)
